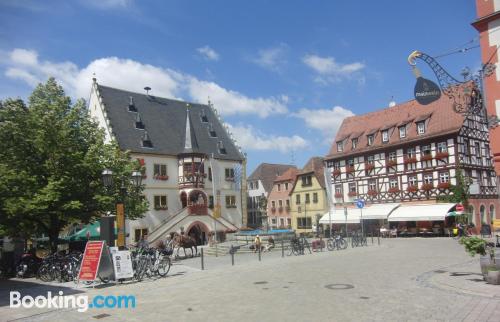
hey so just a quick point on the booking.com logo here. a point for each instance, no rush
(79, 302)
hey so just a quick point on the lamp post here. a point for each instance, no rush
(108, 182)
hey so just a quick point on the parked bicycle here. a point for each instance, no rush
(337, 242)
(358, 239)
(62, 268)
(150, 262)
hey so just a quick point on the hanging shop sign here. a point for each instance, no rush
(426, 91)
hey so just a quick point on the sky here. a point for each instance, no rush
(282, 74)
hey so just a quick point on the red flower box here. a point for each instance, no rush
(349, 169)
(444, 185)
(336, 172)
(352, 193)
(410, 160)
(391, 163)
(372, 192)
(426, 157)
(412, 189)
(158, 177)
(441, 155)
(338, 195)
(427, 186)
(394, 190)
(369, 166)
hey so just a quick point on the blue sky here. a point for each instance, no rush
(283, 74)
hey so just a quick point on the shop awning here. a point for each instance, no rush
(376, 211)
(379, 211)
(421, 212)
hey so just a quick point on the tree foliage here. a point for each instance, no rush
(51, 159)
(459, 193)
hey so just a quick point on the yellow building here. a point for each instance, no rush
(308, 197)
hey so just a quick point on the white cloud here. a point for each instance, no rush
(272, 58)
(251, 139)
(329, 70)
(108, 4)
(230, 102)
(131, 75)
(327, 121)
(208, 53)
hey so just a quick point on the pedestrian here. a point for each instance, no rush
(257, 243)
(143, 243)
(270, 244)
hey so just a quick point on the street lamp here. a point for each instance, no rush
(107, 180)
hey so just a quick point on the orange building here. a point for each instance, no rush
(488, 25)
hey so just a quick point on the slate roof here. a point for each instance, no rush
(439, 116)
(268, 172)
(165, 122)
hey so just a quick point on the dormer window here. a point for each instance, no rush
(211, 131)
(340, 146)
(385, 136)
(370, 139)
(421, 127)
(354, 143)
(402, 132)
(138, 122)
(221, 148)
(146, 140)
(131, 105)
(204, 117)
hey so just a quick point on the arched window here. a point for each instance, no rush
(471, 218)
(492, 212)
(482, 211)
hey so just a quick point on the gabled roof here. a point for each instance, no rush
(166, 122)
(288, 175)
(439, 116)
(268, 172)
(315, 165)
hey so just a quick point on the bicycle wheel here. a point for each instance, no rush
(296, 250)
(365, 241)
(164, 266)
(342, 244)
(330, 244)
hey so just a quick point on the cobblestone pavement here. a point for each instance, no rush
(417, 279)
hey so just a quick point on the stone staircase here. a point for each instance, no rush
(166, 225)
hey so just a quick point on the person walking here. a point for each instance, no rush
(257, 243)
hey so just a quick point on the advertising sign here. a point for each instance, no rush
(91, 260)
(426, 91)
(122, 264)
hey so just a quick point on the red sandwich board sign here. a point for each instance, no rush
(459, 207)
(91, 260)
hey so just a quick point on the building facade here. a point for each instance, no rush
(411, 153)
(488, 25)
(259, 185)
(190, 164)
(278, 203)
(308, 201)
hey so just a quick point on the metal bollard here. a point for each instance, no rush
(202, 260)
(378, 237)
(232, 255)
(259, 252)
(282, 248)
(372, 238)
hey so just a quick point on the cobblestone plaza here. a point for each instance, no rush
(401, 280)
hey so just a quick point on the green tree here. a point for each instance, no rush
(51, 159)
(459, 193)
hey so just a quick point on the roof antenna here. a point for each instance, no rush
(147, 89)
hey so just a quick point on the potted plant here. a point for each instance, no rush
(475, 245)
(336, 172)
(493, 276)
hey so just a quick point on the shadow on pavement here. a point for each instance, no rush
(30, 288)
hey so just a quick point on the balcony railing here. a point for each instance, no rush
(192, 180)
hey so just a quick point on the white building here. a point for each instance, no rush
(186, 152)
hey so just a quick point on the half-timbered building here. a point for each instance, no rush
(410, 153)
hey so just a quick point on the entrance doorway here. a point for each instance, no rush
(198, 234)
